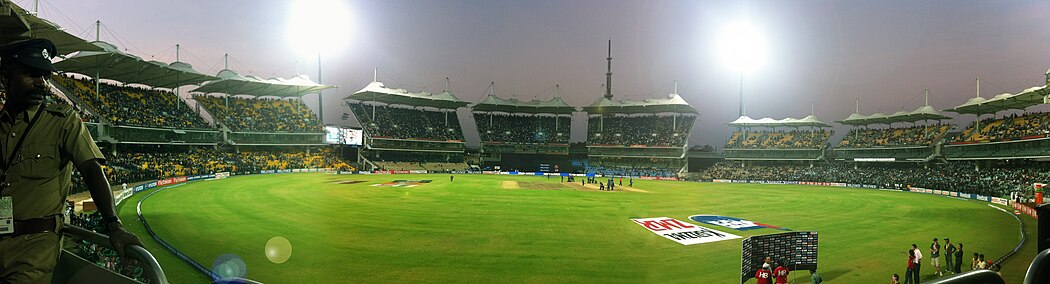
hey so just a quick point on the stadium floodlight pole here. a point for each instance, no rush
(320, 104)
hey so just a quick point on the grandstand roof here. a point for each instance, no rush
(920, 114)
(114, 64)
(1006, 101)
(554, 105)
(377, 92)
(232, 83)
(808, 121)
(19, 23)
(673, 103)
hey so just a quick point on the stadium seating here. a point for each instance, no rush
(1012, 127)
(797, 139)
(262, 115)
(150, 165)
(405, 123)
(650, 130)
(134, 106)
(918, 135)
(505, 128)
(997, 180)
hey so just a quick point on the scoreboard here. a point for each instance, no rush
(798, 251)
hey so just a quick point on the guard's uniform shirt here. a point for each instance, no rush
(39, 175)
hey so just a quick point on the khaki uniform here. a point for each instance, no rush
(39, 180)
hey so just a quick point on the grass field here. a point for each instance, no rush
(488, 228)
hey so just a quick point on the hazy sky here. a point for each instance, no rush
(831, 53)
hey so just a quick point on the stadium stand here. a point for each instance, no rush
(918, 135)
(406, 123)
(796, 139)
(650, 130)
(261, 115)
(1011, 127)
(522, 128)
(134, 106)
(996, 180)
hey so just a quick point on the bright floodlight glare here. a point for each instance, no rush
(319, 27)
(742, 47)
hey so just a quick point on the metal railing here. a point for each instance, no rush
(151, 268)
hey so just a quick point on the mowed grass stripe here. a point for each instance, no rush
(473, 230)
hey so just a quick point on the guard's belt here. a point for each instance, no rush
(33, 226)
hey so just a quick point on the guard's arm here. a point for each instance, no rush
(99, 187)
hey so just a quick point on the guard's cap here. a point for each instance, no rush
(35, 53)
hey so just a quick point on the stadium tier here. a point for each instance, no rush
(777, 145)
(996, 179)
(262, 115)
(133, 106)
(522, 128)
(637, 144)
(647, 130)
(405, 130)
(915, 143)
(390, 122)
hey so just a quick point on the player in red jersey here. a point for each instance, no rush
(781, 273)
(763, 275)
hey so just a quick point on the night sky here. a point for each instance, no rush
(826, 52)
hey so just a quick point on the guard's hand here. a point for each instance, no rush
(121, 238)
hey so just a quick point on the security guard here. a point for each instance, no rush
(39, 146)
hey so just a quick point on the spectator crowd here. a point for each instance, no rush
(262, 114)
(1009, 127)
(408, 123)
(134, 106)
(649, 130)
(795, 139)
(919, 135)
(522, 128)
(998, 180)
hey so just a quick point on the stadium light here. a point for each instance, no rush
(742, 47)
(319, 27)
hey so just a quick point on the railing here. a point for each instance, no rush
(69, 268)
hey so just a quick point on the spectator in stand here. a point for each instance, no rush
(1010, 127)
(797, 139)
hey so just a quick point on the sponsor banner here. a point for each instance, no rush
(722, 180)
(266, 172)
(417, 171)
(403, 183)
(1026, 210)
(682, 232)
(937, 192)
(732, 223)
(1000, 201)
(222, 175)
(983, 198)
(954, 194)
(657, 178)
(489, 172)
(166, 181)
(512, 173)
(966, 195)
(945, 192)
(838, 184)
(179, 179)
(296, 170)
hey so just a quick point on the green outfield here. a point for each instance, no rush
(500, 228)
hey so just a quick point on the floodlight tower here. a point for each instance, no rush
(608, 74)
